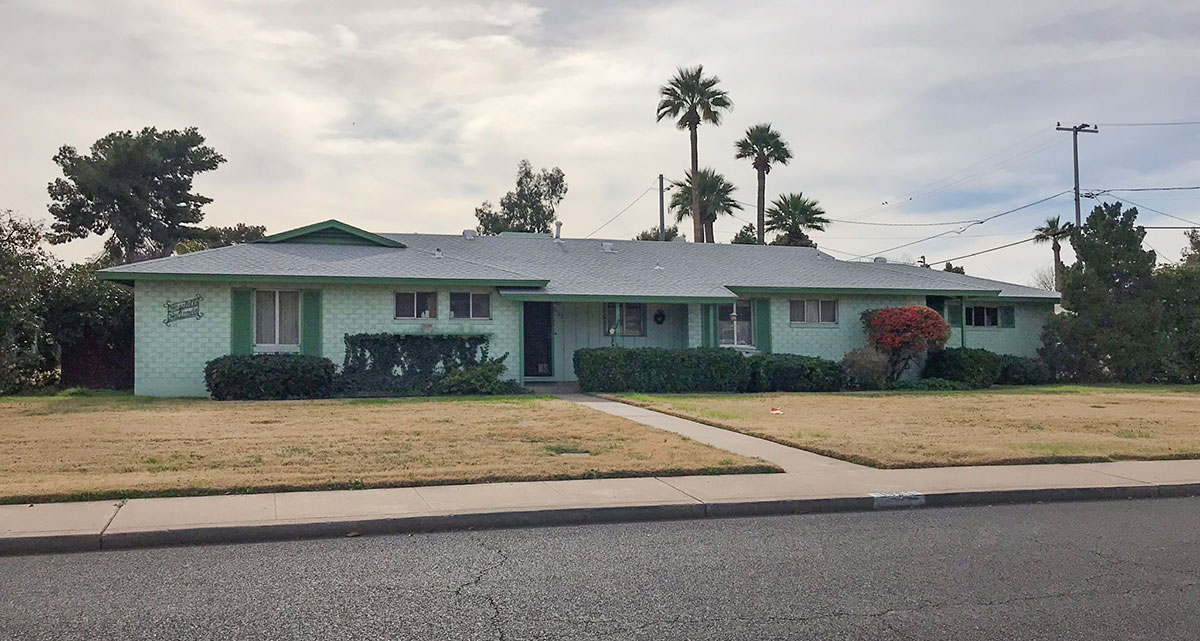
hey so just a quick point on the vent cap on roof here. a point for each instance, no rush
(607, 247)
(470, 234)
(879, 259)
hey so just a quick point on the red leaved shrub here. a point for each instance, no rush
(904, 333)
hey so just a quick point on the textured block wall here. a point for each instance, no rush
(828, 340)
(1022, 340)
(169, 360)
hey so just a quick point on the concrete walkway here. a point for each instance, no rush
(792, 460)
(811, 483)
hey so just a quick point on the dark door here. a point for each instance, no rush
(539, 328)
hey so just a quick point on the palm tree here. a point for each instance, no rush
(792, 215)
(715, 196)
(766, 147)
(1053, 231)
(690, 98)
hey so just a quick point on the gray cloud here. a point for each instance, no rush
(404, 117)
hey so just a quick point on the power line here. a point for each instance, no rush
(961, 230)
(950, 260)
(635, 200)
(1190, 188)
(1150, 124)
(1130, 202)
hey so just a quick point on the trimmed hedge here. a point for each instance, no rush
(978, 368)
(1020, 370)
(793, 373)
(478, 380)
(655, 369)
(660, 370)
(408, 365)
(269, 377)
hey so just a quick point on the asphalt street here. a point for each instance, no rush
(1105, 570)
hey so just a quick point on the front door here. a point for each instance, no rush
(539, 329)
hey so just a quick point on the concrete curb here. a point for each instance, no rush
(276, 531)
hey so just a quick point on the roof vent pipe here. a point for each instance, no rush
(437, 253)
(558, 229)
(880, 259)
(470, 234)
(607, 247)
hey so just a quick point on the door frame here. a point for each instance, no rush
(549, 338)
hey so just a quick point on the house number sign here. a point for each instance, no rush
(189, 308)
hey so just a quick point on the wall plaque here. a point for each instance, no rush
(189, 308)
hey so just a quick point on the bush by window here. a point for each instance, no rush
(470, 305)
(416, 304)
(625, 319)
(269, 377)
(977, 368)
(813, 311)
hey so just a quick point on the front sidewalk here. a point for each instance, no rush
(242, 518)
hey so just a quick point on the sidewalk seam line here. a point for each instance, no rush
(1118, 476)
(694, 498)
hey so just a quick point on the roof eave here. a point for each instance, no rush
(130, 277)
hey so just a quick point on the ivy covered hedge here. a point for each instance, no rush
(417, 365)
(260, 377)
(660, 370)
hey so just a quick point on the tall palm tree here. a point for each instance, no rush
(1053, 231)
(766, 147)
(691, 98)
(714, 194)
(792, 215)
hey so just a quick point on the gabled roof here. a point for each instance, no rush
(537, 267)
(330, 232)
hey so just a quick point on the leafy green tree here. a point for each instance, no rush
(691, 98)
(747, 235)
(669, 233)
(91, 323)
(764, 147)
(954, 269)
(714, 194)
(793, 215)
(1191, 253)
(1179, 291)
(136, 186)
(213, 237)
(24, 266)
(1053, 231)
(528, 208)
(1111, 329)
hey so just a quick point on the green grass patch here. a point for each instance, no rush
(565, 449)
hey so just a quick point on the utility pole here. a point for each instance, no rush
(1075, 131)
(662, 214)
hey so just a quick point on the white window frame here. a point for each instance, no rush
(837, 311)
(470, 306)
(618, 328)
(415, 294)
(277, 346)
(985, 324)
(739, 340)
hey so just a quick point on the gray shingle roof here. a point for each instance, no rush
(575, 267)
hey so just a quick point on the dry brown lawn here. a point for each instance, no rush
(996, 426)
(114, 446)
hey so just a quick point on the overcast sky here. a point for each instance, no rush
(403, 116)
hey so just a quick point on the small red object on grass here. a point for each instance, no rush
(776, 410)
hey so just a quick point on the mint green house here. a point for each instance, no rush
(536, 298)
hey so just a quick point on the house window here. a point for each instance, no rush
(465, 305)
(739, 333)
(416, 304)
(276, 318)
(990, 316)
(813, 311)
(625, 319)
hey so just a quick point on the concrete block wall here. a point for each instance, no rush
(827, 340)
(169, 360)
(1023, 339)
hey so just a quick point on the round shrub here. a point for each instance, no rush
(904, 333)
(1020, 370)
(268, 377)
(978, 368)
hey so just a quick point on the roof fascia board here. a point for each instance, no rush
(333, 280)
(552, 297)
(862, 291)
(294, 234)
